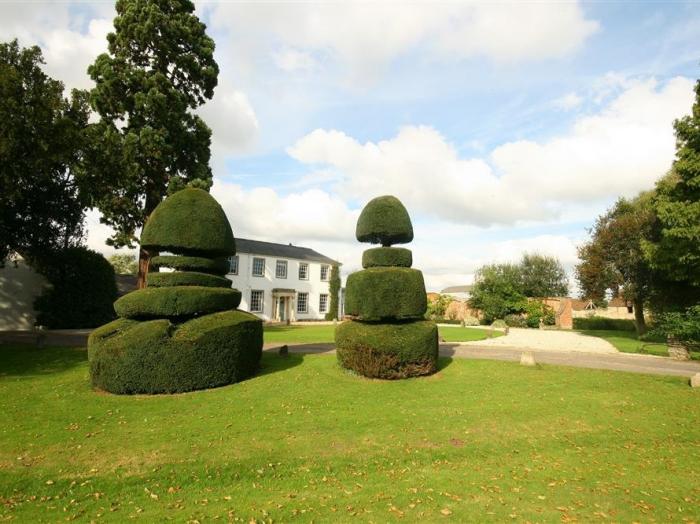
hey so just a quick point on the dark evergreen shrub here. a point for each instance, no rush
(389, 351)
(603, 323)
(384, 220)
(186, 278)
(517, 321)
(189, 222)
(81, 289)
(128, 356)
(386, 293)
(215, 266)
(387, 257)
(176, 302)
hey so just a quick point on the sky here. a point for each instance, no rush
(503, 127)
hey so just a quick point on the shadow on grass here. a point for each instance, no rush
(444, 362)
(18, 360)
(272, 362)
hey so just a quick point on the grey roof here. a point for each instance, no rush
(271, 249)
(457, 289)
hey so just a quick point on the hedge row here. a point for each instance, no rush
(603, 323)
(214, 266)
(389, 351)
(176, 302)
(387, 257)
(390, 293)
(128, 356)
(189, 222)
(384, 220)
(186, 278)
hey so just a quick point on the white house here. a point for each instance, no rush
(281, 282)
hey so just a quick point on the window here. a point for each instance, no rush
(233, 265)
(323, 303)
(281, 269)
(303, 303)
(256, 301)
(258, 267)
(303, 271)
(324, 272)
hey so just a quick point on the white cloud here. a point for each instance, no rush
(364, 37)
(621, 150)
(294, 60)
(568, 102)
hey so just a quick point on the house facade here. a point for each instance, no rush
(281, 282)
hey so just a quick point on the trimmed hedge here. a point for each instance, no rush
(186, 278)
(381, 293)
(389, 351)
(387, 257)
(214, 266)
(603, 323)
(384, 220)
(127, 356)
(189, 222)
(176, 302)
(81, 291)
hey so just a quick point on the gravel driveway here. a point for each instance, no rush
(547, 340)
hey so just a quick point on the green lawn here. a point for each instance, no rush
(325, 334)
(627, 342)
(306, 441)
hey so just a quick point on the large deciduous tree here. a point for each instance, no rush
(160, 67)
(543, 276)
(42, 136)
(497, 291)
(613, 259)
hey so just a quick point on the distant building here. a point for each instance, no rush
(617, 308)
(281, 282)
(463, 293)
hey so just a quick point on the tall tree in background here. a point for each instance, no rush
(497, 291)
(42, 137)
(675, 247)
(160, 67)
(543, 276)
(614, 258)
(334, 290)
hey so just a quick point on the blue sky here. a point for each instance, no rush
(504, 127)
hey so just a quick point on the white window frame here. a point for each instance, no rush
(328, 272)
(323, 305)
(231, 265)
(305, 302)
(252, 269)
(279, 264)
(262, 300)
(305, 265)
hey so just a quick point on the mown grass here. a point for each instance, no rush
(324, 333)
(305, 441)
(627, 342)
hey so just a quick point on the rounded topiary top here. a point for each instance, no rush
(385, 221)
(190, 221)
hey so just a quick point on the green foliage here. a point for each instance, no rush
(42, 138)
(81, 289)
(124, 264)
(334, 291)
(186, 278)
(128, 356)
(158, 70)
(191, 222)
(387, 257)
(384, 220)
(497, 291)
(438, 307)
(218, 266)
(499, 323)
(516, 320)
(603, 323)
(682, 326)
(675, 248)
(388, 351)
(176, 302)
(470, 321)
(542, 276)
(385, 294)
(535, 311)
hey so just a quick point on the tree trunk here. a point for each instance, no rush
(639, 321)
(143, 268)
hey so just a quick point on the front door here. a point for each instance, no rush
(282, 309)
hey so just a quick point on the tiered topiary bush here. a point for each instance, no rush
(387, 336)
(183, 331)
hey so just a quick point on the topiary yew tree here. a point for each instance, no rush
(160, 67)
(387, 336)
(183, 331)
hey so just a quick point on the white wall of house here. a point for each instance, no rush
(313, 287)
(19, 287)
